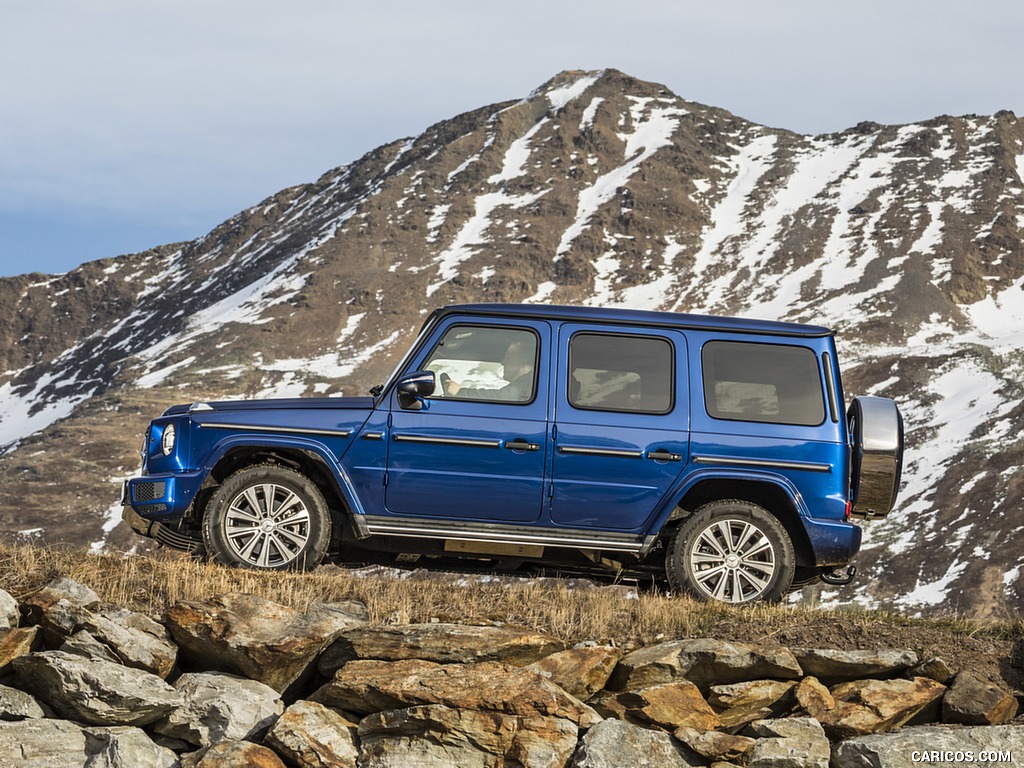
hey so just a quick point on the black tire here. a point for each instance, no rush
(731, 551)
(291, 533)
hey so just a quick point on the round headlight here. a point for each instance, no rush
(167, 441)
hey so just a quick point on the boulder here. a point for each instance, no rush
(125, 747)
(871, 706)
(56, 606)
(366, 687)
(583, 672)
(618, 744)
(219, 707)
(974, 701)
(135, 639)
(60, 744)
(82, 643)
(837, 666)
(233, 754)
(793, 742)
(443, 643)
(95, 692)
(18, 705)
(16, 642)
(741, 703)
(310, 735)
(715, 745)
(813, 698)
(10, 616)
(666, 706)
(258, 638)
(935, 668)
(931, 745)
(435, 735)
(704, 662)
(41, 744)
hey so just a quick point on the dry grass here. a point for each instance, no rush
(151, 583)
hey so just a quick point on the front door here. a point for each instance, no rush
(621, 421)
(475, 449)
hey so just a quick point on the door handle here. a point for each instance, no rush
(663, 455)
(521, 445)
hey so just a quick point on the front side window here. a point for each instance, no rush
(772, 383)
(609, 372)
(485, 363)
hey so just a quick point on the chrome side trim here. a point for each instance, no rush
(735, 461)
(373, 435)
(494, 535)
(583, 450)
(448, 441)
(263, 428)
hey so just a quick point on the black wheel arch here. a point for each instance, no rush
(771, 497)
(306, 462)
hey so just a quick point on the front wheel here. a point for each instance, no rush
(731, 551)
(267, 517)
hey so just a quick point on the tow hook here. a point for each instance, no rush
(839, 577)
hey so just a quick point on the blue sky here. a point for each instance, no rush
(125, 125)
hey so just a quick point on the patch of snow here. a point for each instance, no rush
(590, 113)
(648, 137)
(150, 380)
(562, 95)
(517, 155)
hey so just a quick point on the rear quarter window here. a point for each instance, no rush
(772, 383)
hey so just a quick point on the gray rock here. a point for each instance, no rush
(42, 744)
(913, 747)
(125, 747)
(218, 706)
(704, 662)
(60, 744)
(18, 705)
(935, 669)
(93, 691)
(797, 742)
(82, 643)
(311, 735)
(834, 666)
(618, 744)
(56, 606)
(974, 701)
(135, 639)
(10, 616)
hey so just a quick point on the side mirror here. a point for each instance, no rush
(413, 387)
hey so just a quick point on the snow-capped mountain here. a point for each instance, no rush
(597, 189)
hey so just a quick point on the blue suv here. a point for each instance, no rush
(715, 451)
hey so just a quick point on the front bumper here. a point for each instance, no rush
(163, 497)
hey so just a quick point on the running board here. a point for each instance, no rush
(504, 534)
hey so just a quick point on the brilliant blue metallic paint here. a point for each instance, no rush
(546, 488)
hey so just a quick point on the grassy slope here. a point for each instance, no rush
(572, 612)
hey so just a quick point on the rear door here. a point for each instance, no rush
(477, 448)
(621, 425)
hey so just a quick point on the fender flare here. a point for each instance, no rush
(335, 471)
(693, 479)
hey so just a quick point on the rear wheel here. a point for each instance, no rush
(731, 551)
(267, 517)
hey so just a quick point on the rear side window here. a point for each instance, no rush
(772, 383)
(612, 372)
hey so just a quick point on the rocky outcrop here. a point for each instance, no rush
(493, 697)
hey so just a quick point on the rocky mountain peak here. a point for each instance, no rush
(597, 188)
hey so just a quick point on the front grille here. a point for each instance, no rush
(149, 491)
